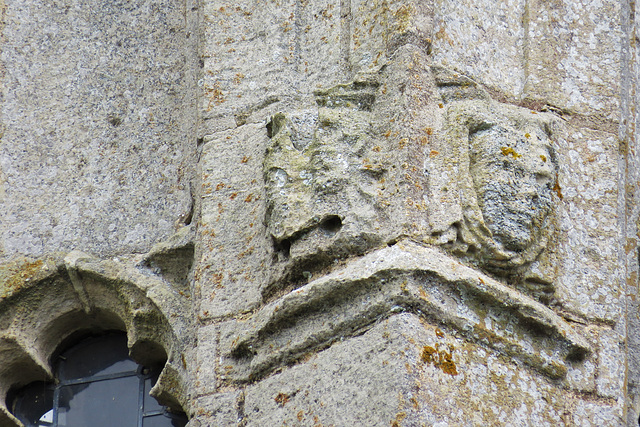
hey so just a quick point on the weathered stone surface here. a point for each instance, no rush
(408, 278)
(493, 188)
(588, 275)
(484, 40)
(234, 250)
(336, 212)
(325, 173)
(207, 360)
(412, 373)
(574, 54)
(96, 125)
(217, 410)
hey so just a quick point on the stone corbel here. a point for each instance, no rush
(406, 277)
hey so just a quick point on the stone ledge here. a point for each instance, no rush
(403, 278)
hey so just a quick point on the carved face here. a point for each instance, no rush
(513, 174)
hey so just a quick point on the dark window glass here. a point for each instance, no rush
(35, 403)
(98, 386)
(100, 404)
(96, 356)
(161, 421)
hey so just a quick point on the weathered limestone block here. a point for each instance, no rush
(207, 361)
(484, 40)
(406, 371)
(574, 58)
(493, 185)
(404, 278)
(378, 29)
(362, 381)
(325, 173)
(589, 281)
(610, 378)
(257, 53)
(233, 252)
(96, 119)
(219, 409)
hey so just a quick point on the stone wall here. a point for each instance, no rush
(340, 212)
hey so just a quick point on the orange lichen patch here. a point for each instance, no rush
(238, 78)
(220, 186)
(557, 189)
(399, 417)
(18, 275)
(208, 232)
(387, 134)
(216, 96)
(300, 415)
(245, 159)
(250, 198)
(403, 142)
(233, 196)
(442, 35)
(428, 353)
(433, 153)
(403, 287)
(414, 402)
(441, 359)
(246, 252)
(376, 149)
(440, 105)
(281, 399)
(439, 333)
(508, 150)
(216, 278)
(481, 281)
(543, 157)
(527, 135)
(428, 131)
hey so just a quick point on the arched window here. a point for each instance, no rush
(97, 384)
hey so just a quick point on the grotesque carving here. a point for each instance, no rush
(494, 189)
(324, 175)
(513, 175)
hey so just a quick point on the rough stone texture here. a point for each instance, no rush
(233, 246)
(329, 212)
(97, 125)
(589, 276)
(387, 375)
(581, 43)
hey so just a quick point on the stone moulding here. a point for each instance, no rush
(45, 302)
(406, 277)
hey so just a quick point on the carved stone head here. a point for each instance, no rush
(495, 179)
(513, 175)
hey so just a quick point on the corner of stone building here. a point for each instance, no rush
(329, 212)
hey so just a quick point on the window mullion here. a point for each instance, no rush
(140, 400)
(56, 401)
